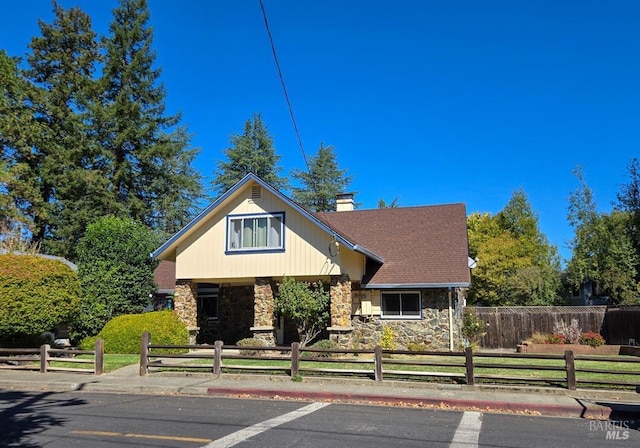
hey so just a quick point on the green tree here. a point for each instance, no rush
(115, 270)
(250, 152)
(147, 151)
(16, 131)
(383, 204)
(322, 183)
(602, 248)
(36, 294)
(306, 305)
(516, 264)
(628, 200)
(61, 157)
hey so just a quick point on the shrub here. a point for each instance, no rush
(325, 344)
(571, 333)
(387, 339)
(36, 294)
(418, 346)
(593, 339)
(555, 338)
(251, 342)
(539, 338)
(123, 334)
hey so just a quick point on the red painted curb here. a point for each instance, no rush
(451, 403)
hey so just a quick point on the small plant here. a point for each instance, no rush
(539, 338)
(473, 328)
(555, 338)
(250, 342)
(592, 339)
(297, 378)
(571, 333)
(418, 346)
(387, 339)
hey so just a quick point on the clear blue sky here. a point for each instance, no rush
(430, 101)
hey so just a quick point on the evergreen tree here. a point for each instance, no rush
(59, 158)
(17, 126)
(603, 249)
(149, 160)
(250, 152)
(323, 183)
(383, 204)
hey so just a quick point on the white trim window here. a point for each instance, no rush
(255, 232)
(401, 305)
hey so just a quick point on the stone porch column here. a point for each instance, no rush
(340, 292)
(185, 305)
(263, 308)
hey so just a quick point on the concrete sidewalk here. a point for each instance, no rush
(523, 400)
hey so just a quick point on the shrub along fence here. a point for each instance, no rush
(509, 326)
(466, 367)
(46, 359)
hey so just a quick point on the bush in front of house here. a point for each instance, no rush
(251, 342)
(123, 334)
(36, 294)
(324, 344)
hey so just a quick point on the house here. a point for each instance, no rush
(404, 268)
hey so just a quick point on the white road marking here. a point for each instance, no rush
(468, 431)
(244, 434)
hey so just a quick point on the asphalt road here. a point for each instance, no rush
(82, 419)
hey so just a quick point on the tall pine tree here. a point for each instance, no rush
(323, 183)
(149, 155)
(62, 154)
(251, 152)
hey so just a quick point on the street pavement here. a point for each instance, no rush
(581, 403)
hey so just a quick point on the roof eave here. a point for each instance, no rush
(415, 285)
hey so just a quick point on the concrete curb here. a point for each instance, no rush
(442, 403)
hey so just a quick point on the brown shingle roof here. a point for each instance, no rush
(420, 245)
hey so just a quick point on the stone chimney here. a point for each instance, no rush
(344, 202)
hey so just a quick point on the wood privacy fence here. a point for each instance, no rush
(46, 359)
(509, 326)
(568, 370)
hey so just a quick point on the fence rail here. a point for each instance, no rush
(567, 370)
(46, 359)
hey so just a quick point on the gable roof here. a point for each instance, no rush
(167, 250)
(421, 246)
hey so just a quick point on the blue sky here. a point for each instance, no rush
(428, 101)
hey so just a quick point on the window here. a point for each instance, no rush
(256, 232)
(405, 305)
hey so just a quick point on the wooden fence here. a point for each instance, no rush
(568, 370)
(46, 359)
(509, 326)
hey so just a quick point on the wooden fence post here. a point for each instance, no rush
(98, 368)
(570, 367)
(295, 359)
(468, 363)
(217, 357)
(44, 358)
(377, 354)
(144, 353)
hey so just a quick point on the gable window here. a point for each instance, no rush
(256, 232)
(401, 305)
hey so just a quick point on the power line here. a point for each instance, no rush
(284, 87)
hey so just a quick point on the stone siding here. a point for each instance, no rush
(185, 305)
(263, 314)
(429, 333)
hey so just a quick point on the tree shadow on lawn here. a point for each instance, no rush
(26, 414)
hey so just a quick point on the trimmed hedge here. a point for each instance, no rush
(36, 294)
(123, 334)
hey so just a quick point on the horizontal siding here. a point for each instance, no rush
(202, 255)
